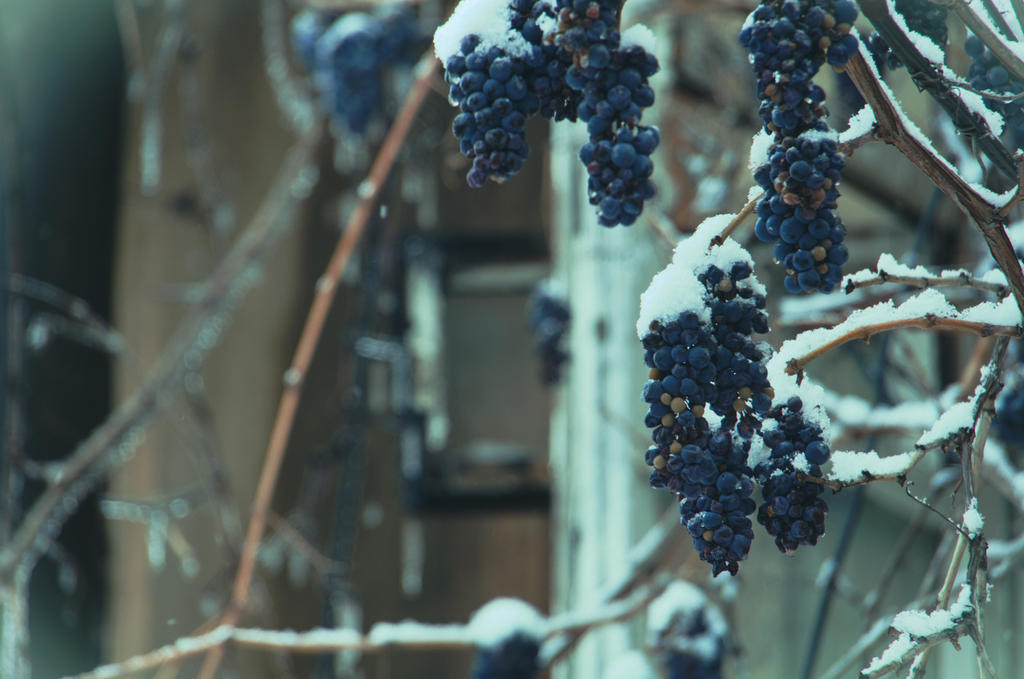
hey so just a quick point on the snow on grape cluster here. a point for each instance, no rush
(350, 56)
(688, 632)
(549, 318)
(705, 368)
(793, 511)
(565, 60)
(789, 42)
(711, 394)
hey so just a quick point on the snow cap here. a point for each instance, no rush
(500, 619)
(487, 19)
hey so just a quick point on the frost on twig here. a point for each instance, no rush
(888, 270)
(919, 630)
(925, 310)
(955, 429)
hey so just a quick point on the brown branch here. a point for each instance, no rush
(795, 365)
(964, 280)
(920, 645)
(993, 41)
(326, 289)
(891, 129)
(747, 210)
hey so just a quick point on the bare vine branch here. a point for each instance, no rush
(326, 289)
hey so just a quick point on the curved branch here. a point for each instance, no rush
(327, 285)
(892, 128)
(928, 322)
(964, 279)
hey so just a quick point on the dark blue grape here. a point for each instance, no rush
(549, 317)
(351, 55)
(514, 658)
(986, 73)
(696, 366)
(792, 511)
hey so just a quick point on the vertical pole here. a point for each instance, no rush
(602, 502)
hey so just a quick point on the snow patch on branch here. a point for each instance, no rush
(915, 625)
(850, 466)
(925, 304)
(860, 123)
(412, 632)
(973, 521)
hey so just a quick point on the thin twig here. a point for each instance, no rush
(747, 210)
(962, 279)
(891, 128)
(151, 126)
(131, 43)
(116, 438)
(326, 288)
(865, 332)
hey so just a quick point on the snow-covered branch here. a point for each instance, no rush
(987, 210)
(926, 310)
(920, 630)
(888, 270)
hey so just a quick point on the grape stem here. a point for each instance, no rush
(747, 210)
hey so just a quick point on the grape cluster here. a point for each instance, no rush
(793, 511)
(617, 156)
(492, 91)
(798, 211)
(696, 650)
(696, 365)
(571, 62)
(688, 632)
(549, 318)
(351, 55)
(986, 73)
(613, 79)
(716, 499)
(789, 42)
(737, 311)
(514, 658)
(558, 101)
